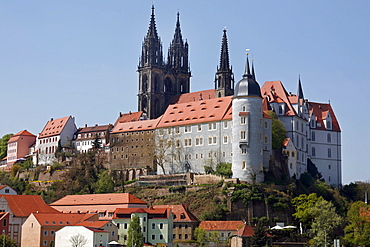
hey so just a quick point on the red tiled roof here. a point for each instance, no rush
(192, 97)
(153, 211)
(245, 231)
(180, 213)
(321, 110)
(95, 128)
(54, 127)
(286, 141)
(98, 199)
(3, 186)
(129, 117)
(277, 93)
(94, 224)
(221, 225)
(209, 110)
(15, 137)
(136, 126)
(60, 219)
(24, 205)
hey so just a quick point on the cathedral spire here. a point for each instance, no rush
(152, 31)
(300, 90)
(224, 58)
(177, 39)
(224, 81)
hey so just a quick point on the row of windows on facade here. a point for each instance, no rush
(89, 135)
(13, 144)
(50, 150)
(117, 149)
(47, 140)
(328, 137)
(314, 152)
(86, 143)
(314, 123)
(153, 237)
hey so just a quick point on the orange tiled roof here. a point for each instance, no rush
(321, 110)
(93, 224)
(192, 97)
(98, 199)
(19, 135)
(54, 127)
(129, 117)
(60, 219)
(3, 186)
(209, 110)
(286, 141)
(136, 126)
(159, 212)
(24, 205)
(277, 93)
(180, 212)
(245, 231)
(221, 225)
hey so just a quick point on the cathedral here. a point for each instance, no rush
(178, 131)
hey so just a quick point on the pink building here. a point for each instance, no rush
(18, 146)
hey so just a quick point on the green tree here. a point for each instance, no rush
(325, 220)
(259, 237)
(214, 237)
(135, 235)
(278, 130)
(97, 142)
(4, 145)
(105, 183)
(8, 241)
(303, 205)
(224, 169)
(200, 235)
(358, 230)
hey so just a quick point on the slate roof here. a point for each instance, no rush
(24, 205)
(230, 225)
(98, 199)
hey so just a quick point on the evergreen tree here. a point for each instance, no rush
(96, 143)
(259, 238)
(278, 130)
(135, 235)
(4, 145)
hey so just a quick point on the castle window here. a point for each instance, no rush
(243, 108)
(199, 127)
(242, 120)
(280, 109)
(244, 165)
(209, 140)
(177, 130)
(225, 139)
(266, 139)
(243, 135)
(266, 125)
(225, 124)
(313, 151)
(328, 137)
(328, 125)
(187, 129)
(329, 152)
(329, 167)
(244, 150)
(313, 136)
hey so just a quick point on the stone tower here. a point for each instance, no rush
(247, 160)
(158, 81)
(224, 80)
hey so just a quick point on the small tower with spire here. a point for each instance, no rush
(247, 145)
(224, 79)
(151, 70)
(177, 78)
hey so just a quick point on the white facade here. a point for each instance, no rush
(90, 237)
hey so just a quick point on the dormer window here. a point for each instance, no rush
(328, 124)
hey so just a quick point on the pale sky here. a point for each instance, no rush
(79, 58)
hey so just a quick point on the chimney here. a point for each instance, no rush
(85, 125)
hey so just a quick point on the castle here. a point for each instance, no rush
(178, 131)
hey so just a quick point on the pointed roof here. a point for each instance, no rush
(152, 31)
(24, 205)
(300, 90)
(97, 199)
(21, 133)
(224, 57)
(54, 127)
(321, 111)
(247, 86)
(245, 231)
(177, 38)
(181, 213)
(129, 117)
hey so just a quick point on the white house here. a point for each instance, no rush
(84, 236)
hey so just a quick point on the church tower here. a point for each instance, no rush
(247, 147)
(151, 71)
(177, 78)
(224, 81)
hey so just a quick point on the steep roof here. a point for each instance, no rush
(180, 212)
(16, 137)
(98, 199)
(24, 205)
(194, 112)
(221, 225)
(321, 111)
(277, 94)
(245, 231)
(129, 117)
(54, 127)
(192, 97)
(60, 219)
(136, 126)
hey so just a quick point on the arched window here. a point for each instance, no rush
(313, 137)
(328, 137)
(313, 151)
(329, 152)
(328, 125)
